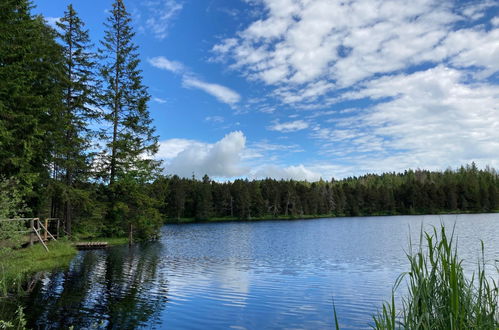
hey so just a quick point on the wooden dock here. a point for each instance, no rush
(91, 245)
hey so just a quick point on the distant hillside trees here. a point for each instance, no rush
(412, 192)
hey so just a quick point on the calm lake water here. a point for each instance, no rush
(246, 275)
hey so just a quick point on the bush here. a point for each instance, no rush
(11, 205)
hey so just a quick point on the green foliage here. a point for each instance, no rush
(19, 322)
(412, 192)
(72, 138)
(132, 139)
(131, 205)
(11, 202)
(30, 95)
(48, 103)
(11, 205)
(12, 234)
(440, 295)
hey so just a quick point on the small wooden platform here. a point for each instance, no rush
(91, 245)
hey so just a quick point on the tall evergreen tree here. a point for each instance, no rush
(130, 137)
(30, 96)
(71, 156)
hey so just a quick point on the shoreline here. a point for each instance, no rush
(170, 221)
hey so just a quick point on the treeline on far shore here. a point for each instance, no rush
(467, 189)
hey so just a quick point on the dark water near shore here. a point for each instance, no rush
(246, 275)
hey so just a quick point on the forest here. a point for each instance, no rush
(77, 143)
(467, 189)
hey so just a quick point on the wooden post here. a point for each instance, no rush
(41, 240)
(46, 229)
(58, 221)
(32, 231)
(130, 235)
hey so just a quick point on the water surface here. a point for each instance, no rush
(246, 275)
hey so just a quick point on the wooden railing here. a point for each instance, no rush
(38, 230)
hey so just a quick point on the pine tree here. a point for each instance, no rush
(130, 139)
(204, 199)
(30, 96)
(71, 157)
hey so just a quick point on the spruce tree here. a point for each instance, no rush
(71, 157)
(30, 96)
(130, 138)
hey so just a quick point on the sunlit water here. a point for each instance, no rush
(247, 275)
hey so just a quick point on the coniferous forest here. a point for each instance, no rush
(467, 189)
(77, 143)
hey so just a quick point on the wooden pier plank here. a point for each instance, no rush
(91, 245)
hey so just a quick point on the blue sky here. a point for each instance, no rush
(307, 89)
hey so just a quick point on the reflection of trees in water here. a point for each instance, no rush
(118, 288)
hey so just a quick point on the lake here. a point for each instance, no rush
(247, 275)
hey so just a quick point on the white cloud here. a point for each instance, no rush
(290, 126)
(215, 119)
(299, 172)
(432, 119)
(309, 48)
(52, 21)
(227, 158)
(222, 93)
(159, 100)
(221, 159)
(162, 62)
(169, 149)
(160, 14)
(418, 79)
(269, 150)
(476, 11)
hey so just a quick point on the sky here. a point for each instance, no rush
(310, 89)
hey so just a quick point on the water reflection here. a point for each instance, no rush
(119, 288)
(246, 275)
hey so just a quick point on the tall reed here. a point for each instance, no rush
(440, 296)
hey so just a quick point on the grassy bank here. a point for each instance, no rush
(16, 266)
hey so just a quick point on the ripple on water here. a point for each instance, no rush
(244, 275)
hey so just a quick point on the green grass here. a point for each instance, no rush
(16, 266)
(440, 296)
